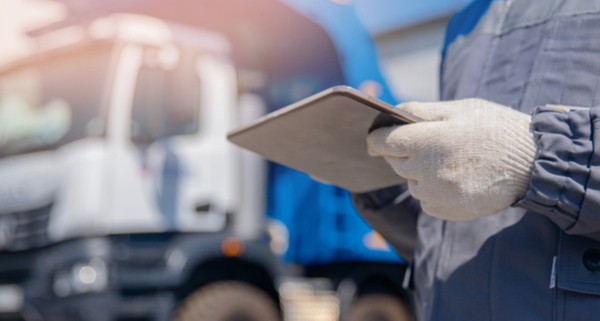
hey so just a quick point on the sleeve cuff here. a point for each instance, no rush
(561, 169)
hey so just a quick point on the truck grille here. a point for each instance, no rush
(24, 230)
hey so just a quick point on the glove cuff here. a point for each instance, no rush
(521, 153)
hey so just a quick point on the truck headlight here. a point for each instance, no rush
(84, 277)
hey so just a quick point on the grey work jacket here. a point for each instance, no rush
(538, 260)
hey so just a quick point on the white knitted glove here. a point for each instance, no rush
(470, 158)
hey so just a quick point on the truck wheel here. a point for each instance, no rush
(227, 301)
(378, 307)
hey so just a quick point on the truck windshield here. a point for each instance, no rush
(48, 104)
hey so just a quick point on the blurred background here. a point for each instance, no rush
(120, 198)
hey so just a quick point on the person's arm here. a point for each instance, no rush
(393, 213)
(472, 158)
(565, 185)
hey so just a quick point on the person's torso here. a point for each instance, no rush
(521, 54)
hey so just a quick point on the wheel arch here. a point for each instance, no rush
(203, 261)
(230, 269)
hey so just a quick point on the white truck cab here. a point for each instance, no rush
(121, 129)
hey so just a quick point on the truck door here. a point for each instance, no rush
(181, 110)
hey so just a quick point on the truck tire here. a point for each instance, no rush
(378, 307)
(227, 301)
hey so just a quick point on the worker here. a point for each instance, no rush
(510, 186)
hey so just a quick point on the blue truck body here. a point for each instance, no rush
(322, 223)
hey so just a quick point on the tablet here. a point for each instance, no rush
(324, 136)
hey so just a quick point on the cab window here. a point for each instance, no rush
(166, 100)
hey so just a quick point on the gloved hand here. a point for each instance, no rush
(470, 158)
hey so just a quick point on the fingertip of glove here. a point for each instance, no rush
(390, 141)
(376, 139)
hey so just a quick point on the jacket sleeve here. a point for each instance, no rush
(393, 213)
(565, 185)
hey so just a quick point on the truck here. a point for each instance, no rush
(120, 198)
